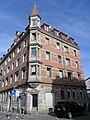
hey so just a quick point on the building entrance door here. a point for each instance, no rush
(35, 101)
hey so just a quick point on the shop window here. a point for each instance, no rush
(69, 93)
(62, 94)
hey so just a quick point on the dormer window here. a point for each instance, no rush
(55, 31)
(46, 28)
(63, 36)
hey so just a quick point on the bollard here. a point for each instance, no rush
(8, 117)
(16, 116)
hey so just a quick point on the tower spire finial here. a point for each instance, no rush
(35, 4)
(34, 11)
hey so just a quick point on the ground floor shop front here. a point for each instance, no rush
(41, 98)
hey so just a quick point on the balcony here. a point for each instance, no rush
(67, 82)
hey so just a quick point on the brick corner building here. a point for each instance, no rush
(41, 67)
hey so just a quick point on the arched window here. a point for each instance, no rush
(74, 93)
(81, 93)
(68, 93)
(62, 93)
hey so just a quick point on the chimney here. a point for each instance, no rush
(16, 39)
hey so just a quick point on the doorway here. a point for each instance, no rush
(35, 101)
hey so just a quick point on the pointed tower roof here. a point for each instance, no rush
(35, 11)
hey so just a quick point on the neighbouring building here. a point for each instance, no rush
(87, 81)
(41, 67)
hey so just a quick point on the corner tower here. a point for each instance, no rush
(34, 19)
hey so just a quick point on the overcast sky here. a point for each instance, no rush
(69, 16)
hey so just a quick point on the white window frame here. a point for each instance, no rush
(57, 45)
(47, 55)
(49, 72)
(68, 62)
(60, 73)
(66, 49)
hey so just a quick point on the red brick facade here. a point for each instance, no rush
(40, 64)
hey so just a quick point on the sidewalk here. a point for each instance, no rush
(27, 116)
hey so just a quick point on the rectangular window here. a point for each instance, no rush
(6, 82)
(59, 59)
(16, 76)
(5, 62)
(33, 52)
(69, 75)
(18, 49)
(38, 70)
(2, 83)
(47, 41)
(33, 36)
(9, 58)
(79, 76)
(8, 69)
(48, 72)
(47, 55)
(11, 79)
(24, 57)
(12, 66)
(18, 62)
(58, 45)
(77, 65)
(75, 53)
(56, 33)
(46, 28)
(60, 74)
(68, 62)
(34, 22)
(24, 43)
(23, 73)
(38, 52)
(4, 72)
(14, 52)
(66, 49)
(33, 69)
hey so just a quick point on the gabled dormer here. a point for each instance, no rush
(55, 31)
(63, 36)
(46, 27)
(34, 19)
(71, 40)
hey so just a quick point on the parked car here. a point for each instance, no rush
(68, 109)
